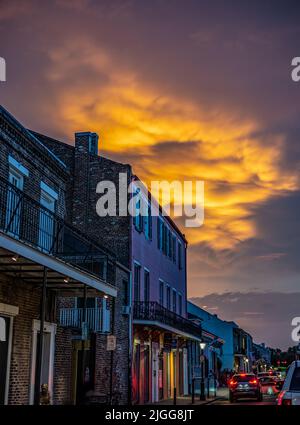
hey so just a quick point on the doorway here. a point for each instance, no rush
(47, 362)
(83, 369)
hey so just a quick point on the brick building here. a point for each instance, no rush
(154, 250)
(49, 272)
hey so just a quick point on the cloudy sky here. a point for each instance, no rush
(188, 90)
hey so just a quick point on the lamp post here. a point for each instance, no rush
(202, 386)
(247, 364)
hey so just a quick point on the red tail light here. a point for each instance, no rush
(254, 381)
(232, 383)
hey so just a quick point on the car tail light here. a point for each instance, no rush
(254, 381)
(232, 383)
(283, 401)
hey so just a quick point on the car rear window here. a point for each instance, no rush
(295, 382)
(245, 378)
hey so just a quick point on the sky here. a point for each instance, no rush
(182, 90)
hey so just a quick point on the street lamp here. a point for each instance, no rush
(247, 362)
(202, 387)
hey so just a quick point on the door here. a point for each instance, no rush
(136, 374)
(4, 350)
(146, 373)
(47, 360)
(13, 207)
(155, 371)
(85, 369)
(46, 221)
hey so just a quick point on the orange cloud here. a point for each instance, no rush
(136, 120)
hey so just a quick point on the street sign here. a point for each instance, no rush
(111, 343)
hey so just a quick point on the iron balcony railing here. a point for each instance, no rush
(97, 319)
(27, 220)
(152, 311)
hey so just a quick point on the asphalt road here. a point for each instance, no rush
(267, 400)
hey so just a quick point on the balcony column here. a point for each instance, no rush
(39, 356)
(112, 351)
(83, 325)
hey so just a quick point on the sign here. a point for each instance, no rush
(111, 343)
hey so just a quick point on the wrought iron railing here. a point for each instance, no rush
(97, 319)
(27, 220)
(152, 311)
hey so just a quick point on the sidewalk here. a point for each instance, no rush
(222, 393)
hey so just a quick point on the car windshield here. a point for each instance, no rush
(295, 383)
(243, 378)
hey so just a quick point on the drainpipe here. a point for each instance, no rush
(130, 318)
(130, 341)
(84, 313)
(112, 351)
(41, 341)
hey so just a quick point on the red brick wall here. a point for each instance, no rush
(27, 298)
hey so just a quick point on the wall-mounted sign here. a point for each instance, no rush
(111, 343)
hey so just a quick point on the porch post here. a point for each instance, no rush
(84, 317)
(113, 306)
(38, 371)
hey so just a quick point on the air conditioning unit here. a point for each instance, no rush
(126, 310)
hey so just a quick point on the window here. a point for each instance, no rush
(137, 282)
(159, 233)
(179, 255)
(137, 218)
(180, 304)
(46, 219)
(174, 301)
(13, 206)
(167, 241)
(91, 302)
(174, 248)
(164, 237)
(125, 292)
(295, 382)
(148, 224)
(161, 292)
(146, 286)
(168, 298)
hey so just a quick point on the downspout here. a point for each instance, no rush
(41, 341)
(112, 351)
(130, 319)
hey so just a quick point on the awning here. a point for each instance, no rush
(30, 263)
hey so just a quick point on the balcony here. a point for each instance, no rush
(34, 226)
(97, 319)
(151, 311)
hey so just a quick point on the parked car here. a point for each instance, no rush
(244, 385)
(268, 384)
(290, 392)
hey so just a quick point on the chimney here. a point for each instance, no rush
(87, 142)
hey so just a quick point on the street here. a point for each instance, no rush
(224, 400)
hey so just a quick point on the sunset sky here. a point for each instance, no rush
(182, 90)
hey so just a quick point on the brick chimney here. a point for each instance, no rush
(87, 142)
